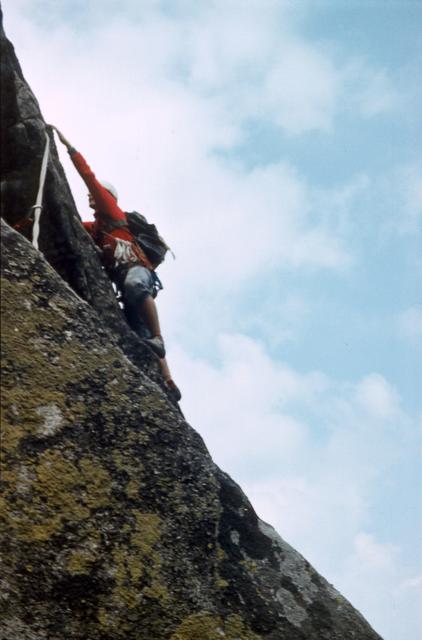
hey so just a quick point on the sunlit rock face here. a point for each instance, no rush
(116, 523)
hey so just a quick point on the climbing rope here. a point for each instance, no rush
(38, 203)
(124, 252)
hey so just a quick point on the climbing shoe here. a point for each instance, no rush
(173, 390)
(157, 345)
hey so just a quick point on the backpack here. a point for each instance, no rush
(147, 236)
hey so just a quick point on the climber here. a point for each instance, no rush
(124, 260)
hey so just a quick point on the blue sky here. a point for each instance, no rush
(277, 147)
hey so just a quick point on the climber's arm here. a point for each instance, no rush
(62, 139)
(105, 202)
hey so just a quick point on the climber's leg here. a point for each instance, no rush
(141, 310)
(149, 314)
(173, 389)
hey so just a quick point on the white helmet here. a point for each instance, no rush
(110, 188)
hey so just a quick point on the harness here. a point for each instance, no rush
(126, 252)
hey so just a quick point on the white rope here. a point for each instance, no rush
(38, 203)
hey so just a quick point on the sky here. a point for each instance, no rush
(277, 147)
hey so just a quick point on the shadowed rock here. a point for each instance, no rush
(116, 523)
(63, 240)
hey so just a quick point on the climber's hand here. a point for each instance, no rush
(61, 137)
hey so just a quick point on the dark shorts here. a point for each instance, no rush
(139, 283)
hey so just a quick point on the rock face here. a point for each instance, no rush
(116, 523)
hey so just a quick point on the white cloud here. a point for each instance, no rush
(331, 427)
(340, 208)
(248, 403)
(375, 93)
(377, 397)
(280, 320)
(316, 512)
(411, 584)
(410, 184)
(301, 89)
(410, 324)
(370, 553)
(400, 194)
(382, 587)
(252, 61)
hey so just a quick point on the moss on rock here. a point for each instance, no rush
(204, 625)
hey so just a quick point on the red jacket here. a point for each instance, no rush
(102, 229)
